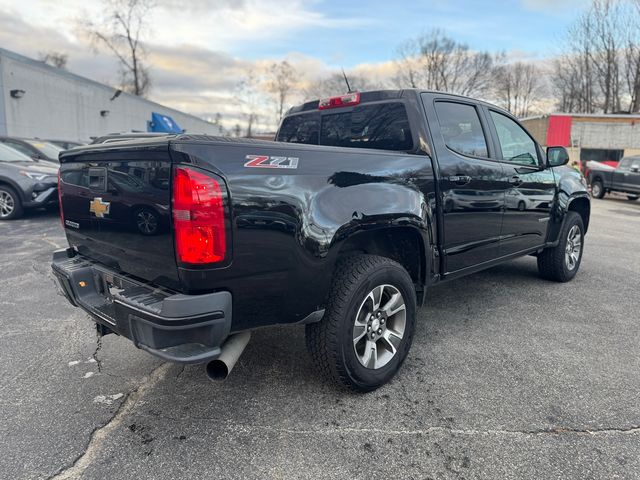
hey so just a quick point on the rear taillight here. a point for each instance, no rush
(347, 100)
(198, 217)
(60, 200)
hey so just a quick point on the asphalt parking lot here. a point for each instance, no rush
(509, 377)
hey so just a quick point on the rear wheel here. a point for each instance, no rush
(633, 198)
(368, 325)
(10, 203)
(597, 189)
(561, 263)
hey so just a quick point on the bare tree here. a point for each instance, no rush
(438, 62)
(55, 59)
(600, 70)
(632, 55)
(281, 83)
(604, 18)
(409, 65)
(120, 30)
(335, 84)
(516, 87)
(249, 99)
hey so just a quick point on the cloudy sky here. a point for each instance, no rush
(198, 50)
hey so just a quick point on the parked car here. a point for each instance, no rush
(624, 178)
(34, 148)
(339, 225)
(65, 144)
(523, 199)
(25, 183)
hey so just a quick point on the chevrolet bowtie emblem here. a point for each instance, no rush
(98, 207)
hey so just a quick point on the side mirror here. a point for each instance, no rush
(557, 156)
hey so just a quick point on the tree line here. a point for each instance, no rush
(597, 70)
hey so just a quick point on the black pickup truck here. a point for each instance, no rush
(624, 178)
(185, 243)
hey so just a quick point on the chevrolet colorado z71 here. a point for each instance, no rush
(183, 244)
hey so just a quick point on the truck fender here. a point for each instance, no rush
(386, 219)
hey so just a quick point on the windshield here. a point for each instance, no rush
(48, 149)
(8, 154)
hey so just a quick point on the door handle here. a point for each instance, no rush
(515, 180)
(460, 179)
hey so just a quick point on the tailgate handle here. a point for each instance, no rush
(98, 178)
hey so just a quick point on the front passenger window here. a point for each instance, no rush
(517, 146)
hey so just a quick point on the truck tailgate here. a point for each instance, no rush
(116, 207)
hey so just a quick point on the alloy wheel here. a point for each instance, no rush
(379, 326)
(147, 222)
(573, 249)
(7, 204)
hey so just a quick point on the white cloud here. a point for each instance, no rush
(555, 5)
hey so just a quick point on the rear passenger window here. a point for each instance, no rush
(461, 129)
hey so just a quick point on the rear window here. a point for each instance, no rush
(383, 126)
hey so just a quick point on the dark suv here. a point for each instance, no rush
(25, 183)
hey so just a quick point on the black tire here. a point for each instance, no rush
(632, 198)
(8, 194)
(597, 189)
(552, 264)
(331, 341)
(521, 206)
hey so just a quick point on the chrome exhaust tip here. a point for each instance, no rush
(231, 349)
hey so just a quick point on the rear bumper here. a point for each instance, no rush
(175, 327)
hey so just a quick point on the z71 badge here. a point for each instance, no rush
(265, 161)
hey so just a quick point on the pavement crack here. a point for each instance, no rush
(99, 434)
(412, 432)
(454, 431)
(98, 348)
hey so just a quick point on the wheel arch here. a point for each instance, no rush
(10, 183)
(582, 206)
(407, 245)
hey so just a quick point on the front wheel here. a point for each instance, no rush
(368, 325)
(561, 263)
(597, 189)
(10, 204)
(632, 198)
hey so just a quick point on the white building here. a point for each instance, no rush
(38, 100)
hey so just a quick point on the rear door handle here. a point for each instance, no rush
(515, 180)
(460, 179)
